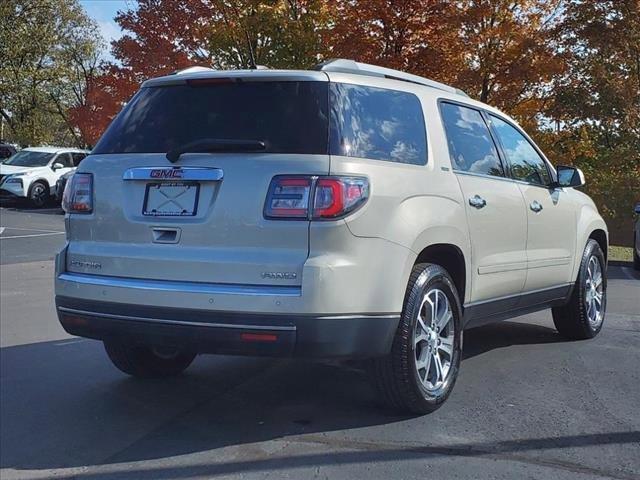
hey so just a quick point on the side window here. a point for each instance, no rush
(470, 144)
(526, 164)
(77, 158)
(64, 159)
(377, 123)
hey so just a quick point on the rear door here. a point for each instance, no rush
(201, 218)
(495, 207)
(551, 213)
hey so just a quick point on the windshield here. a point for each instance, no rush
(27, 158)
(287, 116)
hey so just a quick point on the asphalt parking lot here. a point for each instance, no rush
(527, 404)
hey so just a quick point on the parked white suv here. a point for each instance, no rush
(348, 212)
(32, 173)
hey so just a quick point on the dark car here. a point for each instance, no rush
(6, 150)
(62, 181)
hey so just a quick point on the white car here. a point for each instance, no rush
(32, 173)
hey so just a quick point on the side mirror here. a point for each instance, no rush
(637, 209)
(56, 166)
(570, 176)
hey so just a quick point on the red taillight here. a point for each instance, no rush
(333, 197)
(288, 197)
(78, 194)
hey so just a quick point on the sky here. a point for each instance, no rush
(103, 12)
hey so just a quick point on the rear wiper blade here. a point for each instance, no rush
(215, 145)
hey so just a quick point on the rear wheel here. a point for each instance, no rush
(145, 361)
(38, 194)
(419, 373)
(583, 316)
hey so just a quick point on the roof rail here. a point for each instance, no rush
(351, 66)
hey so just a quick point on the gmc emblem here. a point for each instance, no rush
(166, 173)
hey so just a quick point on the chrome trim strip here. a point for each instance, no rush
(183, 287)
(506, 297)
(202, 174)
(178, 322)
(502, 267)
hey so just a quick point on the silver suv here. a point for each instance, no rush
(347, 212)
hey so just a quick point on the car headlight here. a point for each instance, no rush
(13, 179)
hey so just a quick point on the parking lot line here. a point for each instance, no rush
(32, 235)
(2, 229)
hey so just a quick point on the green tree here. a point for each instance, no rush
(596, 107)
(48, 51)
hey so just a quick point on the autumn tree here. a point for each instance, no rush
(167, 35)
(49, 50)
(596, 107)
(508, 56)
(410, 35)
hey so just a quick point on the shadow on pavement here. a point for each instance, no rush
(504, 334)
(64, 405)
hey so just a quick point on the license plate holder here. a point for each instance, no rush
(171, 199)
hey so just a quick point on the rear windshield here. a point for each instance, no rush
(289, 117)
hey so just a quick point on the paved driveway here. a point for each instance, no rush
(526, 404)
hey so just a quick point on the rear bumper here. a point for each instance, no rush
(281, 335)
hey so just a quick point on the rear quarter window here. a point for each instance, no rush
(377, 123)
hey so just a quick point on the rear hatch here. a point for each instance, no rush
(201, 218)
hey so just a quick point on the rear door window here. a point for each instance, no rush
(471, 147)
(377, 123)
(526, 163)
(288, 116)
(64, 159)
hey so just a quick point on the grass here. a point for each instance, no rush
(624, 254)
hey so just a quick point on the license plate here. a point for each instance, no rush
(175, 199)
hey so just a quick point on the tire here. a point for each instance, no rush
(144, 361)
(583, 316)
(636, 258)
(38, 194)
(399, 380)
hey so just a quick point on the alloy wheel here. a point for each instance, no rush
(594, 292)
(434, 340)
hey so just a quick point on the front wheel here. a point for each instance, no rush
(419, 373)
(144, 361)
(38, 194)
(582, 317)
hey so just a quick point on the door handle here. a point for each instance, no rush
(477, 201)
(535, 206)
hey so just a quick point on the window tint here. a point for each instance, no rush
(289, 117)
(470, 144)
(65, 159)
(77, 158)
(377, 123)
(526, 164)
(28, 158)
